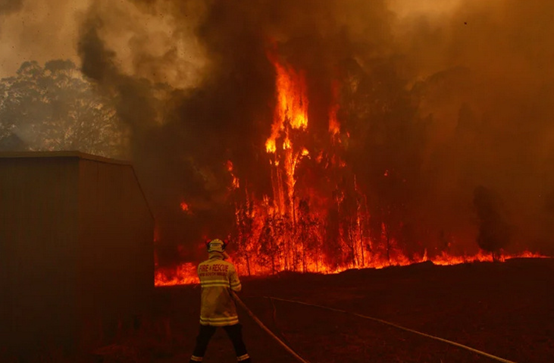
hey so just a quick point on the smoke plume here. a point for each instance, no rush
(10, 6)
(432, 103)
(439, 102)
(38, 31)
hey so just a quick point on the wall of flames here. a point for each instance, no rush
(303, 227)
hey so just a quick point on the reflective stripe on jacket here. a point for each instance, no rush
(217, 276)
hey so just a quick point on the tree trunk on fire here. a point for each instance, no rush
(388, 248)
(248, 265)
(273, 251)
(362, 251)
(352, 237)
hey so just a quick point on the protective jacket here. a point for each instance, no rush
(217, 277)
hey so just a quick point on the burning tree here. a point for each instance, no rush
(342, 139)
(317, 217)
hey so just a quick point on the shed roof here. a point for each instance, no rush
(75, 155)
(60, 154)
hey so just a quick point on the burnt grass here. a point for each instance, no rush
(505, 309)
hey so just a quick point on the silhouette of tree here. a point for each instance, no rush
(55, 108)
(494, 229)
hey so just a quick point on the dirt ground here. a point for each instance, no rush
(505, 309)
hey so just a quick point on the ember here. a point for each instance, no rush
(184, 207)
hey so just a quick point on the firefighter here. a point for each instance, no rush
(217, 278)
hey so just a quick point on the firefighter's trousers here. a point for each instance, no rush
(235, 335)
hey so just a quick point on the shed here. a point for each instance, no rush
(76, 248)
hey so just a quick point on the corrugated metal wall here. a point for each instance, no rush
(116, 241)
(38, 234)
(76, 248)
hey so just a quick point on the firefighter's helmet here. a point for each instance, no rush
(216, 245)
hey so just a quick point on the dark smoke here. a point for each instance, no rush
(438, 104)
(494, 230)
(10, 6)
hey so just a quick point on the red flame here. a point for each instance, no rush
(316, 220)
(235, 184)
(334, 125)
(185, 274)
(292, 106)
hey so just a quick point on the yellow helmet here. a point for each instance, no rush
(216, 245)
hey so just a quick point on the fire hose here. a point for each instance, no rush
(259, 322)
(398, 327)
(300, 359)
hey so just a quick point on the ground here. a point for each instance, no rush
(505, 309)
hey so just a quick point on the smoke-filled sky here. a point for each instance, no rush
(447, 96)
